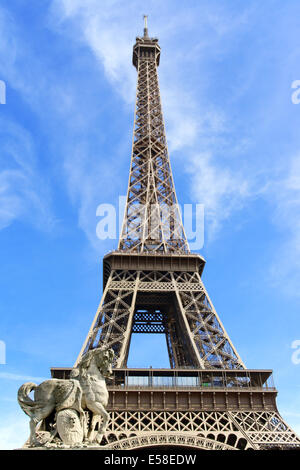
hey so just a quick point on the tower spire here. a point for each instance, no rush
(152, 221)
(146, 26)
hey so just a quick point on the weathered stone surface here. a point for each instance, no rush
(66, 412)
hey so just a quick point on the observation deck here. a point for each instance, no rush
(187, 389)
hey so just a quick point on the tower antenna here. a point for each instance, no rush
(145, 26)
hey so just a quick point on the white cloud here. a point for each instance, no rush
(221, 190)
(104, 28)
(17, 377)
(85, 177)
(23, 191)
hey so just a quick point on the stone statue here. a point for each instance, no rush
(91, 372)
(62, 408)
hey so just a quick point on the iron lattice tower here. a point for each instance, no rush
(152, 284)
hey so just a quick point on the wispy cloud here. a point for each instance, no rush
(221, 192)
(23, 190)
(104, 28)
(17, 377)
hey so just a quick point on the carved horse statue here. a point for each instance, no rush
(85, 390)
(93, 368)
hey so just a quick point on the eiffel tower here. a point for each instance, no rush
(152, 283)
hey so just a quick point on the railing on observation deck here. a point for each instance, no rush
(192, 379)
(213, 379)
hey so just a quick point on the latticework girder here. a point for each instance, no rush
(194, 333)
(152, 219)
(218, 430)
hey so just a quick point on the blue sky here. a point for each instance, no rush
(226, 77)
